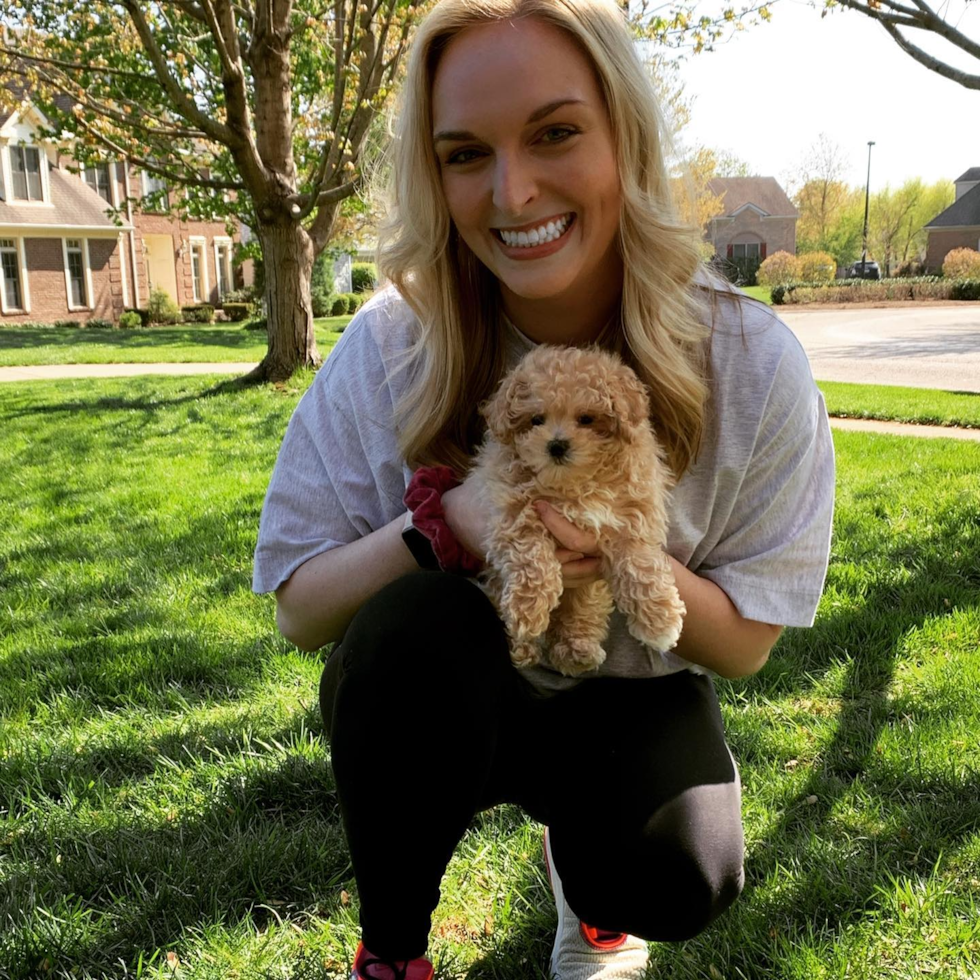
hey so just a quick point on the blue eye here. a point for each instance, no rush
(462, 156)
(558, 134)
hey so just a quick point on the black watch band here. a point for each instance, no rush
(419, 545)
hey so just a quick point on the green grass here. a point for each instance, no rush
(28, 346)
(164, 789)
(921, 405)
(761, 293)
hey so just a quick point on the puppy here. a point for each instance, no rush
(571, 426)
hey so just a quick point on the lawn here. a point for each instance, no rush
(761, 293)
(167, 803)
(28, 346)
(919, 405)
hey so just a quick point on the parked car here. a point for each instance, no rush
(869, 271)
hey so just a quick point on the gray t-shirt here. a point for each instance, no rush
(752, 513)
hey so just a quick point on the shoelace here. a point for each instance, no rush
(399, 972)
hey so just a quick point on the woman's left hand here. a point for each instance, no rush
(576, 549)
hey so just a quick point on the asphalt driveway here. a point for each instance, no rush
(921, 347)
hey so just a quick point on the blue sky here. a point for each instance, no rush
(766, 94)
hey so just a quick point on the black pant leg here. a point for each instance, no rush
(413, 697)
(645, 808)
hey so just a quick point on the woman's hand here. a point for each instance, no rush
(576, 550)
(466, 518)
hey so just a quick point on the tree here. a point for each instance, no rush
(257, 109)
(821, 192)
(897, 220)
(898, 18)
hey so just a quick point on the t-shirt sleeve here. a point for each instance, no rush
(771, 558)
(338, 475)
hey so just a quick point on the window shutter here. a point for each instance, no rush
(729, 251)
(762, 251)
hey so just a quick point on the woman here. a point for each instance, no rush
(530, 205)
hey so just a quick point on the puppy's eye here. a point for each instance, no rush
(585, 420)
(537, 420)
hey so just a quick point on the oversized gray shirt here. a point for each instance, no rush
(752, 513)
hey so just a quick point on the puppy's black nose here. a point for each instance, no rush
(558, 448)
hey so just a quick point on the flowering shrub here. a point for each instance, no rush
(962, 263)
(817, 267)
(778, 270)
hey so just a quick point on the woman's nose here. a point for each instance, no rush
(513, 186)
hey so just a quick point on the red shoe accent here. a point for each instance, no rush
(417, 969)
(601, 939)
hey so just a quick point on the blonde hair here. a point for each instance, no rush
(458, 357)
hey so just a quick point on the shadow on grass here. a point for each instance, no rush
(228, 338)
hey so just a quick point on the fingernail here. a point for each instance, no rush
(540, 506)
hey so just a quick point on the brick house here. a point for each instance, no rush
(62, 257)
(959, 225)
(758, 218)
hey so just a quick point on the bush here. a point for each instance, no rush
(778, 292)
(965, 289)
(130, 320)
(162, 308)
(864, 290)
(354, 302)
(246, 294)
(962, 263)
(817, 267)
(322, 302)
(779, 269)
(199, 313)
(99, 323)
(236, 312)
(144, 316)
(363, 277)
(261, 323)
(68, 324)
(339, 306)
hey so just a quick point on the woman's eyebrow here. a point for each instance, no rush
(457, 135)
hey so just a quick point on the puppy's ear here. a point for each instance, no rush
(630, 397)
(503, 412)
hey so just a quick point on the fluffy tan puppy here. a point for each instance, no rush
(571, 426)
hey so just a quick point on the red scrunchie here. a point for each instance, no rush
(424, 499)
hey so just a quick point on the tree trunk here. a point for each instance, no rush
(287, 257)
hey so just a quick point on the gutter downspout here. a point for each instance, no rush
(132, 239)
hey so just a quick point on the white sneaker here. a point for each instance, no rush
(582, 952)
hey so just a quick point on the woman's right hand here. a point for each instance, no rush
(467, 518)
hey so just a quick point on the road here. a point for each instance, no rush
(921, 347)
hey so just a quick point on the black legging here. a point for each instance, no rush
(632, 776)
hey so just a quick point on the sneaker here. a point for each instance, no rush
(367, 966)
(582, 952)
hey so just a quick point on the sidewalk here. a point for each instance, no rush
(66, 371)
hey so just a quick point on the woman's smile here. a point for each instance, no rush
(536, 240)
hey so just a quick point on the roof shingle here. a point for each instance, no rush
(763, 192)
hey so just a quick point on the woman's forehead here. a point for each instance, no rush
(509, 71)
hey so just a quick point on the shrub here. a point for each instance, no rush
(321, 301)
(962, 263)
(162, 308)
(778, 292)
(965, 289)
(68, 324)
(363, 277)
(339, 306)
(246, 294)
(354, 300)
(779, 269)
(260, 323)
(199, 313)
(100, 323)
(144, 316)
(130, 320)
(236, 312)
(817, 267)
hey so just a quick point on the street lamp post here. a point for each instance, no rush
(867, 191)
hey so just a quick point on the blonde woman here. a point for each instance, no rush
(530, 205)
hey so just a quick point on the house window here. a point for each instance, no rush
(197, 271)
(12, 297)
(97, 177)
(75, 273)
(153, 184)
(750, 250)
(222, 257)
(25, 169)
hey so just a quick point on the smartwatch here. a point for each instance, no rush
(419, 545)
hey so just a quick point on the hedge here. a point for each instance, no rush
(864, 290)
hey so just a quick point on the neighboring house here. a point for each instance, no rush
(959, 225)
(63, 258)
(758, 218)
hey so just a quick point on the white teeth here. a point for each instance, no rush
(536, 236)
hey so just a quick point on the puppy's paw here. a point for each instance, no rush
(660, 632)
(524, 653)
(576, 656)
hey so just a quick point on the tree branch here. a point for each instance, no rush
(934, 64)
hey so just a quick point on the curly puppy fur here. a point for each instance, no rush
(572, 426)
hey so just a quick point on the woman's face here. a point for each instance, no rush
(527, 159)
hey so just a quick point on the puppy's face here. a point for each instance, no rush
(568, 414)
